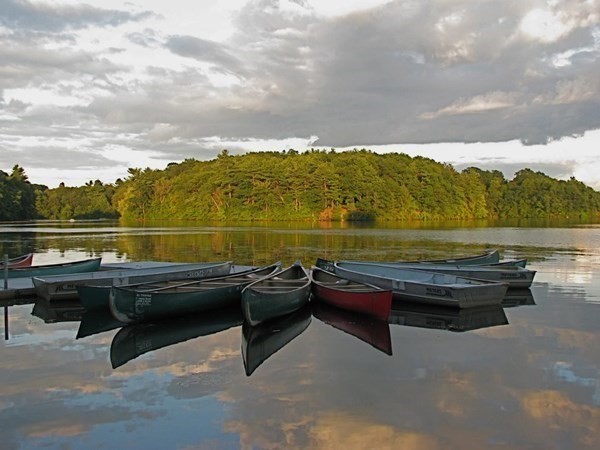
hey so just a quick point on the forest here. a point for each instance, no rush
(315, 185)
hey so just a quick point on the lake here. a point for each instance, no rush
(525, 376)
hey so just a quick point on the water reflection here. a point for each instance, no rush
(58, 311)
(262, 341)
(97, 321)
(451, 319)
(530, 384)
(135, 340)
(368, 329)
(518, 297)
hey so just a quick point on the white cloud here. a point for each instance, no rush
(478, 104)
(544, 25)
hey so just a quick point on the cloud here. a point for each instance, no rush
(370, 73)
(477, 104)
(43, 16)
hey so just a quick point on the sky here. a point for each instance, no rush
(91, 88)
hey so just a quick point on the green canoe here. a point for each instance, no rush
(154, 301)
(93, 292)
(276, 295)
(84, 265)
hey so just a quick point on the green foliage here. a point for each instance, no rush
(314, 185)
(92, 201)
(17, 196)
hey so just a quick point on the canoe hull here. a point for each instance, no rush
(426, 287)
(276, 296)
(86, 265)
(156, 301)
(492, 257)
(65, 287)
(357, 297)
(19, 261)
(514, 276)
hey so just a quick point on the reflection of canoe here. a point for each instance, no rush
(135, 340)
(350, 295)
(65, 286)
(514, 276)
(97, 321)
(371, 330)
(262, 341)
(63, 311)
(18, 261)
(276, 295)
(152, 301)
(425, 287)
(518, 297)
(84, 265)
(451, 319)
(95, 295)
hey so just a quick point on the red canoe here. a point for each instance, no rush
(351, 295)
(19, 261)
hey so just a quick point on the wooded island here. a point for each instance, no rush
(314, 185)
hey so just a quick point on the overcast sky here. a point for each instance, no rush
(90, 88)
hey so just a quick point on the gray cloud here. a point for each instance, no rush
(203, 50)
(405, 72)
(39, 16)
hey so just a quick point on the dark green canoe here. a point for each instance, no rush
(153, 301)
(276, 295)
(93, 292)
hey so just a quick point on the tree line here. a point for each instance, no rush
(314, 185)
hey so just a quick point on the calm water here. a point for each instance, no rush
(525, 376)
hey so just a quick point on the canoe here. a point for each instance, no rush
(61, 287)
(262, 341)
(19, 261)
(425, 287)
(137, 339)
(95, 297)
(373, 331)
(350, 295)
(490, 257)
(84, 265)
(153, 301)
(451, 319)
(276, 295)
(515, 277)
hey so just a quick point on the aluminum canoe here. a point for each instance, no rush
(62, 287)
(425, 287)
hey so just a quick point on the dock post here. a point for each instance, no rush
(5, 271)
